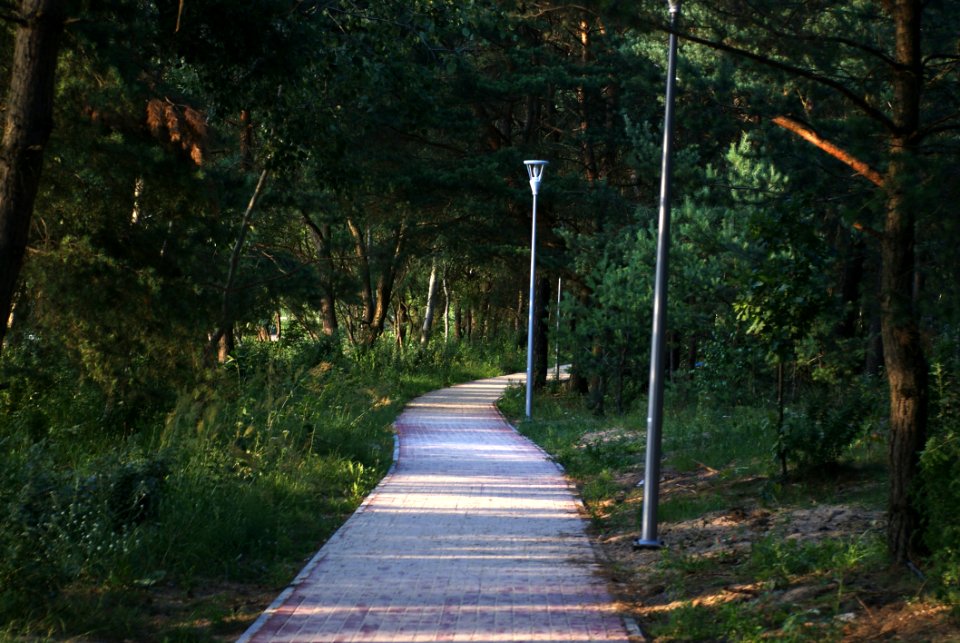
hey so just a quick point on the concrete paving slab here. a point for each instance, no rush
(474, 535)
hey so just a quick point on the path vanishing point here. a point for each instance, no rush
(474, 535)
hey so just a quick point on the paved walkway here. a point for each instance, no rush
(474, 536)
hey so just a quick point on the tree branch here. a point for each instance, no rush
(839, 87)
(860, 167)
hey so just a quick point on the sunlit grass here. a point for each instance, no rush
(725, 464)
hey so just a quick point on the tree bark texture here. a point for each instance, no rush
(903, 353)
(385, 283)
(29, 121)
(905, 364)
(376, 298)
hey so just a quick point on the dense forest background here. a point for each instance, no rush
(202, 203)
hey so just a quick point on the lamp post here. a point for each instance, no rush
(651, 485)
(556, 340)
(535, 172)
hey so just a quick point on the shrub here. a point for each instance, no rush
(829, 419)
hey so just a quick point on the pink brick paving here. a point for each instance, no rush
(473, 536)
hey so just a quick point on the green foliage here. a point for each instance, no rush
(729, 621)
(938, 488)
(62, 526)
(829, 418)
(780, 561)
(248, 472)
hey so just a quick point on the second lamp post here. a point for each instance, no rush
(535, 172)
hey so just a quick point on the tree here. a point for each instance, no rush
(29, 121)
(894, 78)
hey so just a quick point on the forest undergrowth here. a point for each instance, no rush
(749, 555)
(184, 526)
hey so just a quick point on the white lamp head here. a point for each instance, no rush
(535, 172)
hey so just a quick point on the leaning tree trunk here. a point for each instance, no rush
(222, 341)
(29, 121)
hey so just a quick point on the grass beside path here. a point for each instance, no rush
(749, 557)
(186, 529)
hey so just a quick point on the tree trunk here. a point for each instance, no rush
(904, 359)
(29, 121)
(431, 306)
(225, 345)
(321, 241)
(446, 310)
(402, 320)
(385, 282)
(587, 155)
(363, 268)
(226, 309)
(906, 366)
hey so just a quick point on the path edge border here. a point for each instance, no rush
(307, 569)
(630, 624)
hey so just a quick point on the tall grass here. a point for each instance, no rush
(241, 478)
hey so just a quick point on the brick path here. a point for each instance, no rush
(474, 536)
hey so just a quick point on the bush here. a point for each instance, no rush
(829, 419)
(60, 526)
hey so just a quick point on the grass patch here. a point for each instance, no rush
(686, 507)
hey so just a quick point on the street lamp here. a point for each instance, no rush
(535, 172)
(651, 485)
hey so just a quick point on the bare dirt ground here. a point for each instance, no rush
(702, 566)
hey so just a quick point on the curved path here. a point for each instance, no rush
(473, 536)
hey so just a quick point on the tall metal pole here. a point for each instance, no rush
(535, 172)
(556, 340)
(651, 485)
